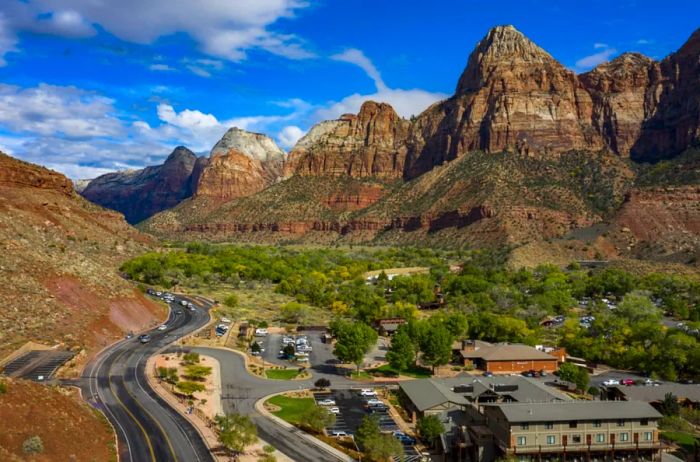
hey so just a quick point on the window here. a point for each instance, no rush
(644, 422)
(597, 423)
(576, 439)
(624, 436)
(548, 425)
(620, 423)
(648, 436)
(573, 424)
(551, 439)
(524, 426)
(521, 441)
(600, 438)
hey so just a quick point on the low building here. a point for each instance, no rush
(580, 430)
(389, 326)
(507, 358)
(687, 395)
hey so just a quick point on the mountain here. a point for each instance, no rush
(138, 194)
(58, 271)
(525, 149)
(240, 164)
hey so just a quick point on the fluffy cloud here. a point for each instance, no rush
(591, 61)
(289, 136)
(405, 102)
(225, 29)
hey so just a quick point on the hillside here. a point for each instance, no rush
(58, 278)
(69, 429)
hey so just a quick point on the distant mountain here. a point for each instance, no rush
(525, 149)
(58, 271)
(138, 194)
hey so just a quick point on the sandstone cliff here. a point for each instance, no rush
(369, 144)
(138, 194)
(241, 163)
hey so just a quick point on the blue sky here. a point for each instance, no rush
(87, 88)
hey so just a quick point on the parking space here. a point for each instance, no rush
(350, 407)
(318, 354)
(37, 365)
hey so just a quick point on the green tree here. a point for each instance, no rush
(436, 346)
(197, 372)
(401, 354)
(3, 388)
(294, 312)
(669, 405)
(636, 307)
(33, 445)
(169, 374)
(190, 358)
(231, 301)
(188, 388)
(354, 341)
(384, 447)
(367, 430)
(322, 383)
(577, 375)
(236, 432)
(288, 350)
(255, 347)
(316, 418)
(430, 428)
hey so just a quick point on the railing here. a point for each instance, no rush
(597, 447)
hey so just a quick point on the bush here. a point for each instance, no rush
(33, 445)
(3, 388)
(231, 301)
(322, 383)
(675, 423)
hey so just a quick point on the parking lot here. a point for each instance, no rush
(37, 365)
(321, 356)
(352, 408)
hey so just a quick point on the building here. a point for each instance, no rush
(507, 358)
(389, 326)
(573, 430)
(687, 395)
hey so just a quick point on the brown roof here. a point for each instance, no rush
(508, 352)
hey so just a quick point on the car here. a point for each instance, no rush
(226, 320)
(162, 327)
(145, 338)
(183, 302)
(488, 374)
(374, 402)
(367, 392)
(158, 294)
(326, 402)
(303, 359)
(404, 438)
(339, 434)
(543, 373)
(611, 382)
(260, 332)
(334, 410)
(627, 382)
(129, 335)
(191, 308)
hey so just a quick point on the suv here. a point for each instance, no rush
(145, 338)
(368, 392)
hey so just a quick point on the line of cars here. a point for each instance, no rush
(301, 345)
(629, 382)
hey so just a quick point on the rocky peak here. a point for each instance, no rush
(181, 154)
(502, 46)
(256, 146)
(18, 174)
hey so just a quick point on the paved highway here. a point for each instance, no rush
(148, 429)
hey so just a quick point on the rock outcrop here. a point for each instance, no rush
(139, 194)
(17, 174)
(241, 163)
(369, 144)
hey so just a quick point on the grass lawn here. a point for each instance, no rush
(362, 375)
(281, 374)
(414, 371)
(291, 409)
(686, 440)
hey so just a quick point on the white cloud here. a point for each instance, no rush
(643, 41)
(161, 67)
(226, 29)
(8, 39)
(405, 102)
(289, 136)
(591, 61)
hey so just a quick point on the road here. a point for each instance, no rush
(147, 428)
(240, 392)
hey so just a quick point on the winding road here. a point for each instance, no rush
(147, 428)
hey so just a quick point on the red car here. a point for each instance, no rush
(627, 382)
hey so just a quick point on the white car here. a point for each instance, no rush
(162, 327)
(183, 302)
(260, 332)
(367, 392)
(226, 320)
(334, 410)
(326, 402)
(374, 402)
(339, 434)
(611, 382)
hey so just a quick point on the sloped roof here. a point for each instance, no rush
(508, 352)
(651, 394)
(429, 393)
(576, 410)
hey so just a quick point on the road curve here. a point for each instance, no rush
(147, 428)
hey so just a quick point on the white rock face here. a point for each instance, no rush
(254, 145)
(317, 132)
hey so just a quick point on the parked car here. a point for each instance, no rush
(404, 438)
(334, 410)
(367, 392)
(145, 338)
(326, 402)
(488, 374)
(627, 382)
(183, 302)
(611, 382)
(373, 402)
(260, 332)
(339, 434)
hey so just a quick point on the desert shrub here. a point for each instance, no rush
(33, 445)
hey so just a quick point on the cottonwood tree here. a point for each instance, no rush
(354, 341)
(401, 354)
(430, 428)
(316, 418)
(236, 432)
(436, 346)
